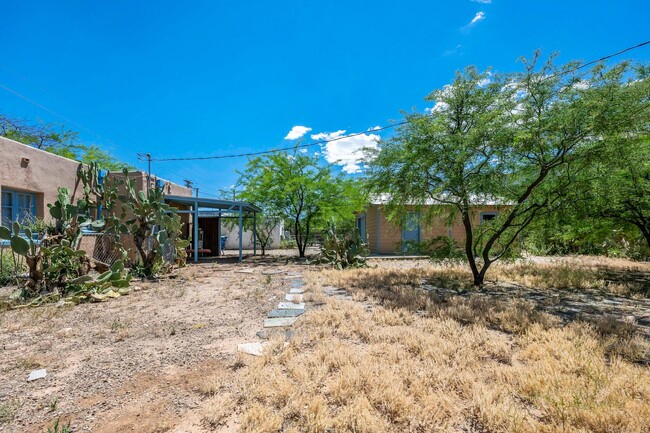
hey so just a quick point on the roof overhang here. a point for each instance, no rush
(211, 203)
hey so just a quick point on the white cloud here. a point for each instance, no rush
(374, 128)
(480, 16)
(297, 132)
(327, 135)
(346, 152)
(486, 2)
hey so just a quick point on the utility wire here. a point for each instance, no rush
(609, 56)
(295, 146)
(263, 152)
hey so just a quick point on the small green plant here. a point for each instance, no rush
(8, 410)
(58, 427)
(343, 250)
(53, 404)
(10, 266)
(288, 244)
(438, 248)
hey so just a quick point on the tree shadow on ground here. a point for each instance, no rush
(622, 323)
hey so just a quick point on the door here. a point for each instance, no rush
(411, 231)
(361, 225)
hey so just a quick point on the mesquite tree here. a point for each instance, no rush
(297, 188)
(514, 140)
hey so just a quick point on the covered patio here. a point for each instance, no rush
(201, 208)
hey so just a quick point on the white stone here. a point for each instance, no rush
(296, 291)
(291, 306)
(37, 374)
(272, 272)
(279, 321)
(293, 298)
(255, 349)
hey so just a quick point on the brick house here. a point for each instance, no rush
(389, 237)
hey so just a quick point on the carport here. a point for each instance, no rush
(208, 207)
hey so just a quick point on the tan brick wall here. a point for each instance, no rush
(371, 229)
(390, 239)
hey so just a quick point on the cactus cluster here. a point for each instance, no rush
(150, 221)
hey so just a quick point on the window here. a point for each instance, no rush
(488, 216)
(17, 206)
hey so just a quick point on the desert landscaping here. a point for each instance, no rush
(384, 348)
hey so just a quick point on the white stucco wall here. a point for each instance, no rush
(247, 239)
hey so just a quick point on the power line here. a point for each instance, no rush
(279, 149)
(609, 56)
(43, 107)
(263, 152)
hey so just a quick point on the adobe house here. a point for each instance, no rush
(385, 236)
(29, 179)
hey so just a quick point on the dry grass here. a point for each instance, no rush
(565, 274)
(390, 370)
(404, 362)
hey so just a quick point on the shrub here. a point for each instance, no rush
(343, 250)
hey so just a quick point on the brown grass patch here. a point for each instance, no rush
(412, 363)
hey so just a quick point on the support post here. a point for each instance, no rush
(254, 233)
(195, 241)
(241, 233)
(219, 252)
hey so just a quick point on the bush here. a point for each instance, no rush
(288, 244)
(8, 268)
(343, 250)
(438, 248)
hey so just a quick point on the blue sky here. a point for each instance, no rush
(199, 78)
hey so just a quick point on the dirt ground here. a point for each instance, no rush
(153, 361)
(139, 363)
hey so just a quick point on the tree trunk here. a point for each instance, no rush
(469, 250)
(479, 278)
(646, 233)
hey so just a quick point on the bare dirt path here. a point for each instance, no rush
(140, 363)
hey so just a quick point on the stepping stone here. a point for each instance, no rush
(266, 334)
(297, 283)
(292, 277)
(37, 374)
(293, 297)
(279, 321)
(291, 306)
(296, 291)
(335, 291)
(255, 349)
(272, 272)
(285, 313)
(244, 271)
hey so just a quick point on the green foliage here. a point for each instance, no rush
(57, 267)
(151, 222)
(438, 248)
(58, 140)
(58, 427)
(343, 249)
(302, 192)
(288, 244)
(9, 266)
(514, 140)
